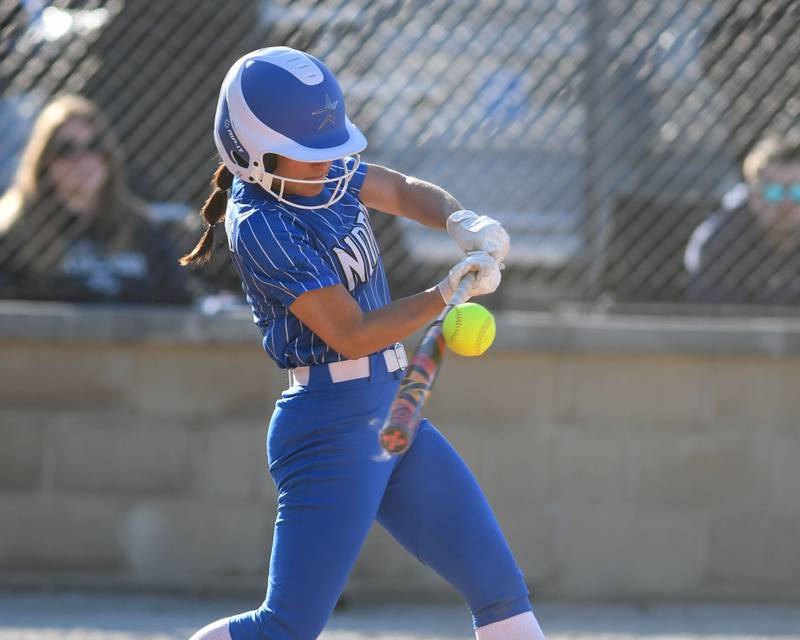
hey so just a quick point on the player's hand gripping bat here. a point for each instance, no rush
(403, 419)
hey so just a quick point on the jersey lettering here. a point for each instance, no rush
(360, 261)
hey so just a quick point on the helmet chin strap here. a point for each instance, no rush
(266, 180)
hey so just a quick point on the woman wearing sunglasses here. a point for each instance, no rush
(70, 228)
(749, 251)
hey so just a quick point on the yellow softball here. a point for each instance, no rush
(469, 329)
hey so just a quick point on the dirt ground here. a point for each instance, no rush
(101, 616)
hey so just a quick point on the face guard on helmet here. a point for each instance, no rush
(279, 101)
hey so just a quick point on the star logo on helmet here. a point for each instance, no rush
(328, 110)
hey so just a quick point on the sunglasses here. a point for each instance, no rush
(775, 192)
(72, 148)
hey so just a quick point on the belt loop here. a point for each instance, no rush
(319, 375)
(376, 368)
(379, 367)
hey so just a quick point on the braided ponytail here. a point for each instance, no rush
(212, 211)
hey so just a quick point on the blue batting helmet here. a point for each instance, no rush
(285, 102)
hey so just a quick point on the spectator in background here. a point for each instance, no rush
(750, 56)
(70, 228)
(749, 251)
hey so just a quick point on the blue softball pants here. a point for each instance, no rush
(333, 482)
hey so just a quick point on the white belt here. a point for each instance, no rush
(395, 358)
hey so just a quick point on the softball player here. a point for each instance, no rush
(300, 237)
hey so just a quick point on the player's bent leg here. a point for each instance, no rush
(523, 626)
(330, 483)
(317, 539)
(215, 631)
(434, 507)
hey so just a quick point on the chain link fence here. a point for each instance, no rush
(608, 136)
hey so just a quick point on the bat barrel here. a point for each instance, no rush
(404, 414)
(395, 439)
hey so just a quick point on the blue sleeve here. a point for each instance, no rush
(281, 258)
(357, 180)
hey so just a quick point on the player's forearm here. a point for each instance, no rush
(426, 203)
(400, 195)
(393, 323)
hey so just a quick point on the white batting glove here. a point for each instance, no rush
(478, 233)
(487, 277)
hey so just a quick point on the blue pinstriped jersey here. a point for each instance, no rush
(282, 251)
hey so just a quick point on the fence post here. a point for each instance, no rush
(615, 102)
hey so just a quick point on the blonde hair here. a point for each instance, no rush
(770, 150)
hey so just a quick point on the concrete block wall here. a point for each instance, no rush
(637, 475)
(623, 457)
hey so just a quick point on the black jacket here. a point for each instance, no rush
(729, 259)
(132, 265)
